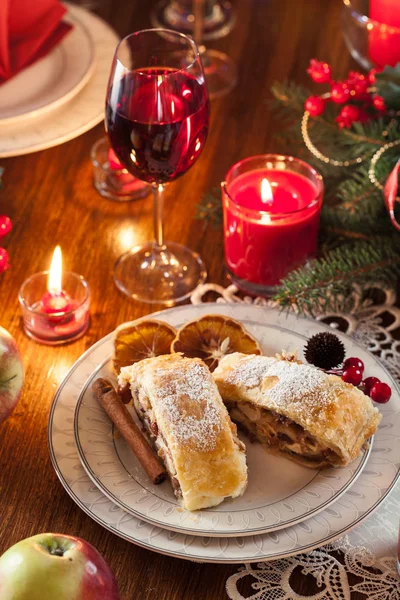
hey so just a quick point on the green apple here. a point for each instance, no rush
(11, 374)
(52, 566)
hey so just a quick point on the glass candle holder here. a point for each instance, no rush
(271, 206)
(54, 326)
(113, 183)
(371, 29)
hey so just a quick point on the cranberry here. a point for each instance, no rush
(353, 361)
(369, 383)
(380, 392)
(352, 375)
(315, 105)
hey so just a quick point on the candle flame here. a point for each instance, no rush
(266, 192)
(55, 275)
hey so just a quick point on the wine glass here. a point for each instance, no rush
(205, 19)
(157, 114)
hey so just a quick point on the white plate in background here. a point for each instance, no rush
(51, 81)
(81, 113)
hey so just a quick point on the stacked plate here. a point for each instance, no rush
(286, 508)
(63, 94)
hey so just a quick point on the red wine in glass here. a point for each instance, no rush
(157, 126)
(157, 114)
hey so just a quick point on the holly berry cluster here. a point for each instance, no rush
(5, 227)
(353, 371)
(326, 351)
(360, 102)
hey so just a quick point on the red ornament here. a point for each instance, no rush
(4, 264)
(390, 194)
(5, 225)
(353, 361)
(379, 103)
(319, 71)
(380, 393)
(348, 115)
(315, 105)
(340, 92)
(352, 375)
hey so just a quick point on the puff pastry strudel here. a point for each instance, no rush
(178, 401)
(297, 410)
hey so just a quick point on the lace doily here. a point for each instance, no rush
(365, 560)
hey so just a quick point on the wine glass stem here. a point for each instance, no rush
(158, 214)
(198, 13)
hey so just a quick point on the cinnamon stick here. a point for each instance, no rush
(119, 415)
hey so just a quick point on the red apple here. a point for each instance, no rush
(52, 566)
(11, 374)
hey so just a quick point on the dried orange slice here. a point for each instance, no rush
(135, 341)
(213, 336)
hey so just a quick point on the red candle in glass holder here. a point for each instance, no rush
(384, 32)
(271, 216)
(51, 314)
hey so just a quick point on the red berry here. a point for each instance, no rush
(315, 105)
(352, 375)
(5, 225)
(4, 264)
(358, 84)
(348, 115)
(372, 75)
(369, 383)
(319, 71)
(380, 392)
(353, 361)
(340, 92)
(379, 103)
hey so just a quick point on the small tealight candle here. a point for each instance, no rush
(55, 305)
(271, 208)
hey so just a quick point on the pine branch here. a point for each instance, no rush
(319, 284)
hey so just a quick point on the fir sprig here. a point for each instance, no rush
(323, 283)
(357, 243)
(209, 209)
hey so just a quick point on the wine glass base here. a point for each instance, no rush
(174, 16)
(159, 275)
(220, 72)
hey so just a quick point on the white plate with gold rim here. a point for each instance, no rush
(83, 110)
(279, 492)
(372, 486)
(51, 81)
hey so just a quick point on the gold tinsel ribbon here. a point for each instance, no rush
(391, 186)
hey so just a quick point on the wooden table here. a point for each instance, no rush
(50, 197)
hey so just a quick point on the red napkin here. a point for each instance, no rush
(29, 29)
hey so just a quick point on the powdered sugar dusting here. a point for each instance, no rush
(192, 388)
(297, 383)
(251, 371)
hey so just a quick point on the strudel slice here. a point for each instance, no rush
(179, 404)
(296, 410)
